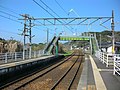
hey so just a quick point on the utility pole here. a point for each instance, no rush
(47, 36)
(113, 37)
(30, 38)
(24, 33)
(27, 18)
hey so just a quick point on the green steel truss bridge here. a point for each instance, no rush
(54, 43)
(80, 38)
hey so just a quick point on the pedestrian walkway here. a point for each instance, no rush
(96, 76)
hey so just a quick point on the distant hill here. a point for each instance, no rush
(105, 34)
(104, 38)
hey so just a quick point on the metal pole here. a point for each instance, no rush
(100, 41)
(30, 39)
(24, 32)
(91, 50)
(47, 35)
(56, 49)
(113, 37)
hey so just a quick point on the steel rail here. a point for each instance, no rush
(56, 84)
(74, 76)
(31, 74)
(26, 83)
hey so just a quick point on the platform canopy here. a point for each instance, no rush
(65, 38)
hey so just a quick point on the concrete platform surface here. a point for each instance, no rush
(96, 76)
(12, 64)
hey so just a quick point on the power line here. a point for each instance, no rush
(8, 32)
(61, 6)
(10, 19)
(54, 13)
(9, 14)
(8, 9)
(43, 8)
(43, 30)
(50, 8)
(49, 12)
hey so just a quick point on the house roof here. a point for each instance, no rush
(108, 44)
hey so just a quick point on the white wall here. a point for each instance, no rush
(109, 49)
(103, 49)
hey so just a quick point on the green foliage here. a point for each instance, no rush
(105, 34)
(39, 46)
(3, 40)
(68, 53)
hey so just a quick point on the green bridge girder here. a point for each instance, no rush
(54, 43)
(65, 38)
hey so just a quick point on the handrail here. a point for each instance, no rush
(17, 56)
(110, 60)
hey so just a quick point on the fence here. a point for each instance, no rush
(117, 65)
(110, 60)
(16, 56)
(106, 58)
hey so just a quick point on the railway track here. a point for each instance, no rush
(68, 77)
(51, 78)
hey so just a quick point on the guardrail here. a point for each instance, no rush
(17, 56)
(110, 60)
(116, 65)
(106, 58)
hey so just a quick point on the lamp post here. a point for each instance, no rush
(72, 10)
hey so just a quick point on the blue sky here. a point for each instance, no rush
(85, 8)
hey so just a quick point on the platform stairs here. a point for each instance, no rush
(94, 44)
(49, 48)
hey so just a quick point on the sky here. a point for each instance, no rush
(81, 8)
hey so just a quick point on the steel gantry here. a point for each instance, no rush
(71, 21)
(77, 21)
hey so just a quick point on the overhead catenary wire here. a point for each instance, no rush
(50, 8)
(61, 6)
(9, 32)
(9, 14)
(43, 30)
(43, 8)
(14, 12)
(10, 10)
(49, 12)
(54, 13)
(11, 19)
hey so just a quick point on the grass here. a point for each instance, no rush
(68, 53)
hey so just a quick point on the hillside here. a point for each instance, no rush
(105, 36)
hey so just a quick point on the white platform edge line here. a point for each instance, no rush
(98, 79)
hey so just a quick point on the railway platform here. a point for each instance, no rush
(96, 76)
(21, 62)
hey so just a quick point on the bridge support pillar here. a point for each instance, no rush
(56, 49)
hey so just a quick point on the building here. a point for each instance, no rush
(107, 47)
